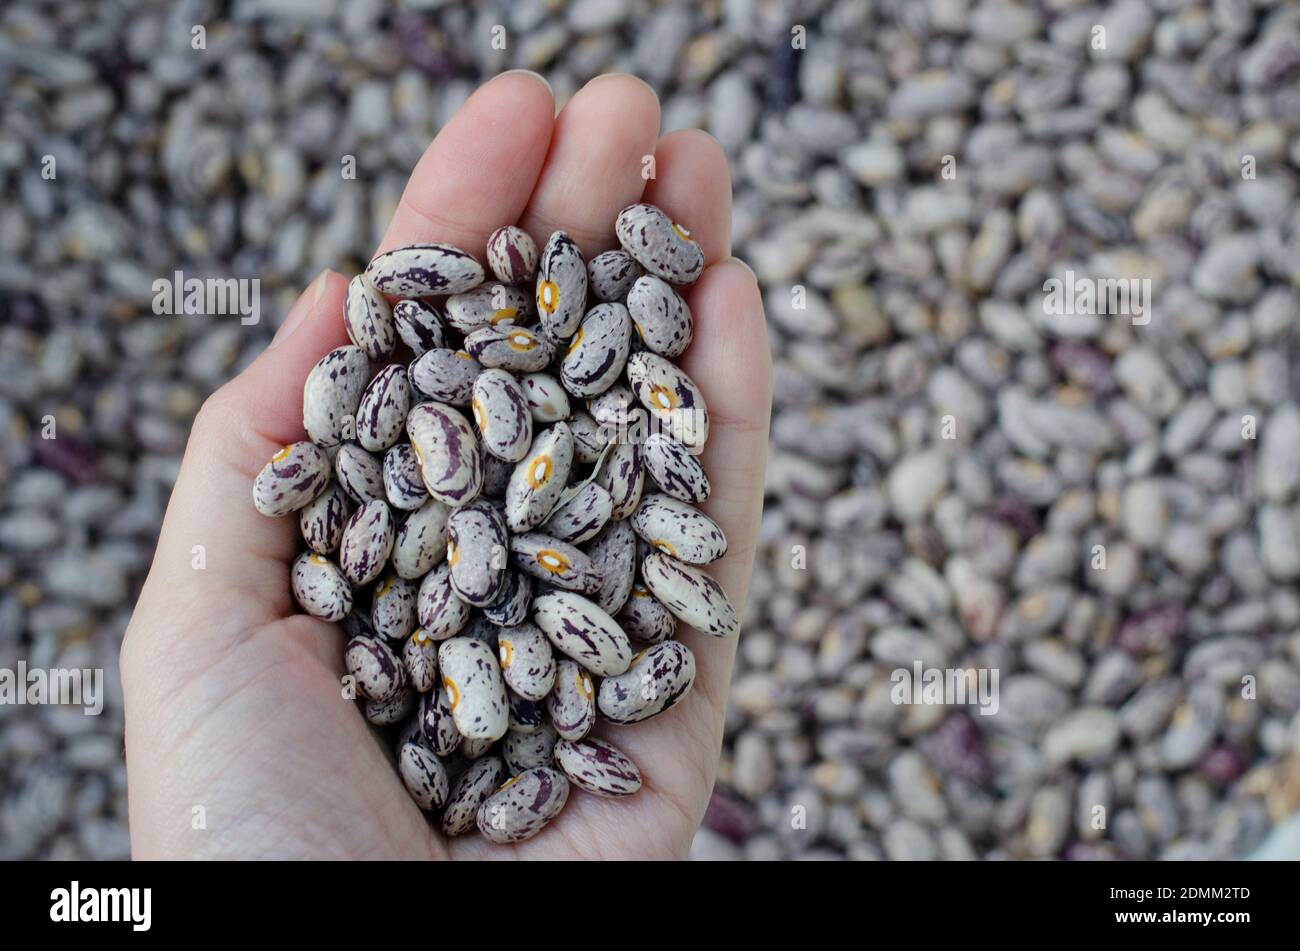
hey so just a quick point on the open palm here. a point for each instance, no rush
(239, 742)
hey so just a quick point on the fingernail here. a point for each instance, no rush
(300, 309)
(736, 260)
(596, 79)
(538, 76)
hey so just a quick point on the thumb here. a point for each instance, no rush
(213, 541)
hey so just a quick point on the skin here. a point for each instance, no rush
(233, 699)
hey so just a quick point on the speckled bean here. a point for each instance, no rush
(523, 751)
(437, 725)
(332, 393)
(419, 325)
(320, 587)
(501, 412)
(555, 562)
(561, 287)
(295, 476)
(611, 274)
(425, 270)
(527, 661)
(446, 375)
(478, 782)
(472, 679)
(377, 672)
(589, 440)
(509, 347)
(512, 607)
(580, 514)
(658, 244)
(671, 397)
(691, 595)
(523, 806)
(580, 630)
(392, 607)
(369, 319)
(512, 255)
(598, 351)
(547, 400)
(440, 612)
(450, 457)
(322, 519)
(489, 305)
(424, 775)
(403, 485)
(674, 468)
(526, 716)
(656, 680)
(359, 474)
(390, 712)
(661, 317)
(614, 549)
(645, 617)
(679, 529)
(421, 540)
(612, 408)
(367, 542)
(477, 551)
(622, 475)
(539, 479)
(600, 768)
(420, 656)
(572, 702)
(381, 415)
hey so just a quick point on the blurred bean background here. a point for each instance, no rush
(948, 457)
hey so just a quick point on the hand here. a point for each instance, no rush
(235, 721)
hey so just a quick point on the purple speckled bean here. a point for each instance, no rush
(437, 725)
(472, 679)
(379, 675)
(389, 712)
(523, 751)
(420, 656)
(322, 519)
(555, 562)
(527, 661)
(589, 440)
(367, 542)
(598, 351)
(600, 768)
(645, 617)
(424, 775)
(392, 607)
(295, 476)
(369, 319)
(671, 397)
(441, 613)
(501, 412)
(523, 805)
(359, 474)
(611, 274)
(425, 270)
(320, 588)
(547, 400)
(572, 702)
(508, 347)
(403, 485)
(580, 630)
(451, 460)
(332, 393)
(581, 516)
(656, 681)
(679, 529)
(614, 549)
(512, 255)
(661, 317)
(381, 415)
(477, 547)
(421, 540)
(539, 479)
(489, 305)
(526, 716)
(657, 244)
(478, 782)
(691, 595)
(561, 287)
(674, 468)
(622, 475)
(419, 325)
(445, 375)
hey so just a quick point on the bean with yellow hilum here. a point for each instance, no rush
(498, 495)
